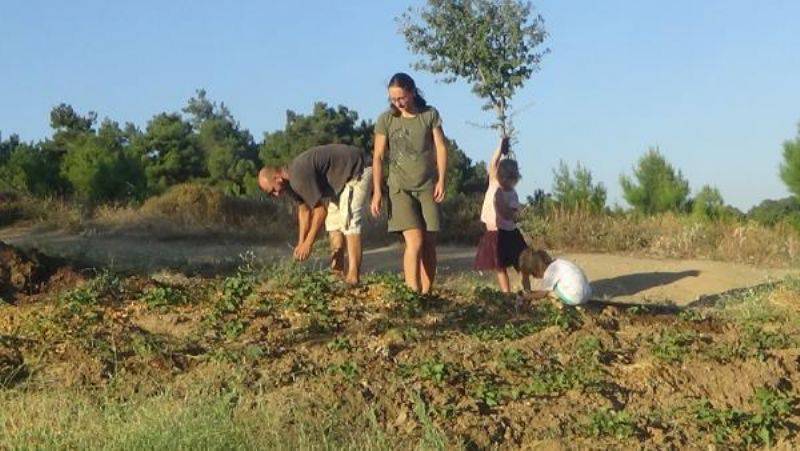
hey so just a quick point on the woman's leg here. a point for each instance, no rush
(502, 279)
(411, 257)
(428, 261)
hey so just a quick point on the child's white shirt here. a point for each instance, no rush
(568, 281)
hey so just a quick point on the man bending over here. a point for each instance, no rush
(331, 184)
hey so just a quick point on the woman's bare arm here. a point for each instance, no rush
(378, 152)
(441, 163)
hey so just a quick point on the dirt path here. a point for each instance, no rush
(613, 276)
(621, 277)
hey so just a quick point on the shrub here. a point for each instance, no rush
(195, 209)
(461, 219)
(98, 173)
(658, 187)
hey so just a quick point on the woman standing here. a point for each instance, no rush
(412, 132)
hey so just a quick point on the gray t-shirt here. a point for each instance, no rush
(322, 171)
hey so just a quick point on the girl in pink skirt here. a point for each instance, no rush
(502, 242)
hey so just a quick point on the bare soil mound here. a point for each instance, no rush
(27, 272)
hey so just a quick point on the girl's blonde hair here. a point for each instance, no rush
(508, 169)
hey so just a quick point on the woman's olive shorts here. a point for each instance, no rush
(413, 210)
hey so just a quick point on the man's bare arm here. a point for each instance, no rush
(318, 214)
(303, 222)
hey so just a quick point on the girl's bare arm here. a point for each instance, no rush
(501, 150)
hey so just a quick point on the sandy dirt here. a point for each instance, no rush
(618, 277)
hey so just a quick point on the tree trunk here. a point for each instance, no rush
(500, 109)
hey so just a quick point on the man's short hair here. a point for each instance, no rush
(266, 175)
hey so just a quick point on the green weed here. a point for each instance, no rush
(753, 342)
(432, 437)
(731, 426)
(340, 344)
(609, 423)
(545, 315)
(589, 347)
(104, 286)
(233, 328)
(312, 295)
(556, 379)
(349, 370)
(163, 296)
(488, 294)
(234, 291)
(639, 309)
(434, 370)
(487, 392)
(692, 316)
(512, 359)
(672, 346)
(510, 331)
(407, 302)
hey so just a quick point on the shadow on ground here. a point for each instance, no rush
(631, 284)
(716, 299)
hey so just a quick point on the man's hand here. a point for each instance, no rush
(302, 251)
(438, 192)
(375, 205)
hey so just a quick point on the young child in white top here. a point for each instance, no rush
(561, 279)
(502, 243)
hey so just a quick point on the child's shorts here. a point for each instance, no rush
(499, 249)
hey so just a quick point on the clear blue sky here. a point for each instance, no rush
(713, 83)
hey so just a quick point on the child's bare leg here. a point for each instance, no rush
(502, 279)
(526, 280)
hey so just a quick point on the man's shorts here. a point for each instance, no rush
(413, 210)
(347, 215)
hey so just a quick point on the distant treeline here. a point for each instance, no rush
(93, 163)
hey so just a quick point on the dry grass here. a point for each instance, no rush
(665, 235)
(198, 211)
(51, 212)
(193, 210)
